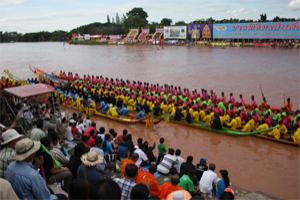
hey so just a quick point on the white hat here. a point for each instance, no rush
(9, 135)
(25, 148)
(179, 195)
(72, 121)
(92, 158)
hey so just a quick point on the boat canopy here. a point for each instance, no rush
(30, 90)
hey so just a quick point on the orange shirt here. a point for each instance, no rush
(148, 179)
(124, 163)
(166, 189)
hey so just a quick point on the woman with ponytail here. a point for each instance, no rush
(223, 183)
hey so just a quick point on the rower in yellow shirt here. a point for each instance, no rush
(249, 126)
(208, 118)
(296, 136)
(112, 111)
(225, 119)
(195, 116)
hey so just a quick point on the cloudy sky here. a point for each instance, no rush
(49, 15)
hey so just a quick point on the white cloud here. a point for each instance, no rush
(294, 5)
(11, 2)
(241, 12)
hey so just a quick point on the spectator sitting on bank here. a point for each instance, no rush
(89, 129)
(75, 159)
(80, 126)
(206, 182)
(148, 179)
(101, 133)
(79, 189)
(121, 138)
(186, 183)
(149, 151)
(56, 152)
(38, 133)
(222, 183)
(91, 138)
(61, 126)
(167, 162)
(123, 149)
(179, 160)
(131, 160)
(26, 181)
(74, 130)
(162, 150)
(169, 187)
(87, 170)
(7, 192)
(87, 122)
(201, 167)
(128, 182)
(69, 134)
(228, 194)
(109, 189)
(9, 139)
(53, 169)
(139, 191)
(179, 194)
(143, 159)
(188, 166)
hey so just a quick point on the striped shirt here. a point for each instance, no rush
(126, 186)
(6, 156)
(166, 164)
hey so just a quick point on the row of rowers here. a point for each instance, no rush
(117, 101)
(158, 92)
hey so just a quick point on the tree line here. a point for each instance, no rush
(135, 18)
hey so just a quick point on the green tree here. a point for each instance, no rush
(180, 23)
(263, 17)
(166, 22)
(153, 26)
(138, 12)
(108, 19)
(136, 18)
(118, 21)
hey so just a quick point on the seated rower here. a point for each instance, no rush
(195, 115)
(225, 119)
(216, 122)
(112, 111)
(263, 126)
(141, 114)
(124, 111)
(208, 118)
(249, 126)
(296, 136)
(104, 107)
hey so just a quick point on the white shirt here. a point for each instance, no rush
(80, 128)
(179, 161)
(208, 178)
(69, 134)
(142, 157)
(166, 164)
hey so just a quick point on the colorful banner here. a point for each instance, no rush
(259, 30)
(203, 31)
(175, 32)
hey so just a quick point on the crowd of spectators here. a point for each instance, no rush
(68, 157)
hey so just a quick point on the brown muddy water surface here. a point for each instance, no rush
(254, 164)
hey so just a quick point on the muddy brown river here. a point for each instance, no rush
(254, 164)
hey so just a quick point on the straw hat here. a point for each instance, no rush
(25, 148)
(9, 135)
(91, 159)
